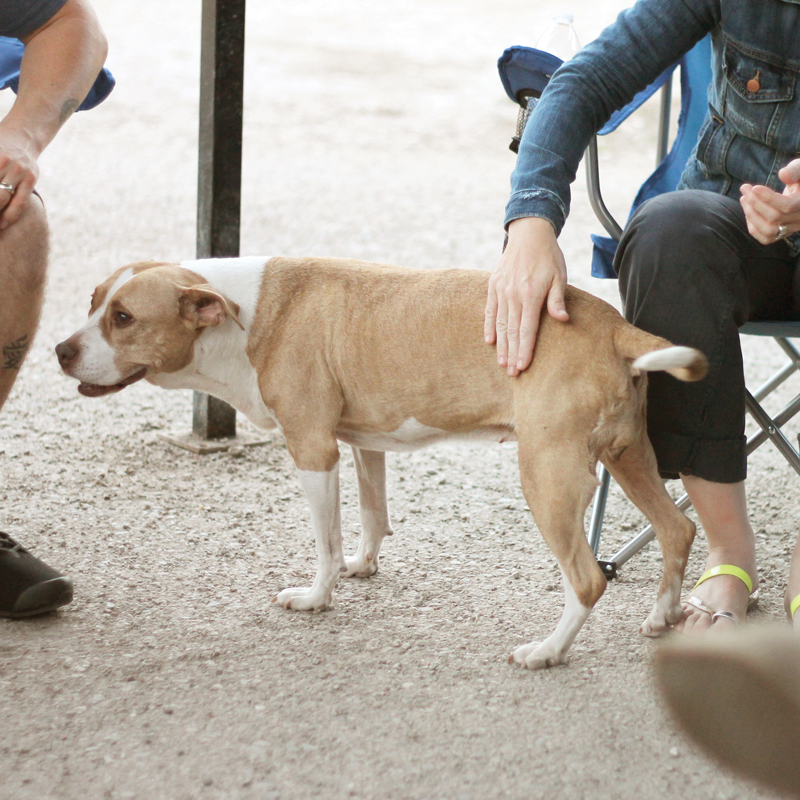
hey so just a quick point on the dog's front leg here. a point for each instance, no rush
(322, 492)
(371, 471)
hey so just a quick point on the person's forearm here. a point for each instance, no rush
(61, 62)
(601, 78)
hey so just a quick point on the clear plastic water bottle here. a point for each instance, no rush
(559, 38)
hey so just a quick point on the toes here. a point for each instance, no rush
(536, 656)
(302, 599)
(659, 622)
(697, 624)
(361, 567)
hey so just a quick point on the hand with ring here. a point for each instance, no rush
(772, 216)
(19, 171)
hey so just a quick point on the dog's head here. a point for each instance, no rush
(144, 320)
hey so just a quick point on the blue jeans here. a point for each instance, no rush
(690, 272)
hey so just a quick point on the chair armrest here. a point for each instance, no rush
(595, 196)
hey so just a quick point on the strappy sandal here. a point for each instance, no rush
(793, 606)
(715, 614)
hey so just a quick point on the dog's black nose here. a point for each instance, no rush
(66, 353)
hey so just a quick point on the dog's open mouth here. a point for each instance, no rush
(95, 390)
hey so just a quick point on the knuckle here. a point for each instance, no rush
(527, 293)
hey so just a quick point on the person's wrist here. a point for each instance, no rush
(24, 138)
(531, 228)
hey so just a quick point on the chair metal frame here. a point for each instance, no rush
(769, 427)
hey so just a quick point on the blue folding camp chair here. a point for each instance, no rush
(11, 51)
(524, 73)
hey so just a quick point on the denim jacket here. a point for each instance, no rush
(753, 123)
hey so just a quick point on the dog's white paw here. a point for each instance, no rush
(303, 599)
(654, 627)
(361, 565)
(537, 655)
(661, 619)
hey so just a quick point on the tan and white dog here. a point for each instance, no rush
(385, 358)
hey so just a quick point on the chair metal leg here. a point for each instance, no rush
(599, 509)
(773, 431)
(779, 377)
(779, 420)
(644, 537)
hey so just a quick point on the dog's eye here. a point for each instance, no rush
(122, 320)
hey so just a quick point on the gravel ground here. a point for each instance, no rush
(376, 131)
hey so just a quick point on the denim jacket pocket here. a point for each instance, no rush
(712, 150)
(758, 93)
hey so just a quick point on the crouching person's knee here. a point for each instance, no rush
(24, 248)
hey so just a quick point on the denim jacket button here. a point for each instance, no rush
(753, 85)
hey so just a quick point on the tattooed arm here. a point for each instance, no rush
(62, 59)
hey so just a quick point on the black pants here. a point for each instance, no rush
(690, 272)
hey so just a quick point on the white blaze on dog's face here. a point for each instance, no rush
(143, 320)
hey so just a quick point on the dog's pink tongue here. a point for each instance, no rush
(93, 390)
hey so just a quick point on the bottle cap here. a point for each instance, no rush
(564, 16)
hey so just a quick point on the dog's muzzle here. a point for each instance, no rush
(96, 390)
(67, 354)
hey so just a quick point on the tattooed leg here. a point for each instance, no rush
(23, 267)
(14, 353)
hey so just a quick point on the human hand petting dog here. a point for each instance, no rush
(772, 216)
(530, 276)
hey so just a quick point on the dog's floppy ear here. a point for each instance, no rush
(203, 306)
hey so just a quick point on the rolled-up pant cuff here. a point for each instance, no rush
(718, 460)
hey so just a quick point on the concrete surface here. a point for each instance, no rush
(374, 130)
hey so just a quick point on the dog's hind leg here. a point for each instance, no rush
(371, 471)
(636, 472)
(558, 484)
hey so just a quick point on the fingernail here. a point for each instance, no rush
(501, 361)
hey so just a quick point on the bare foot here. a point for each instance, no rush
(720, 593)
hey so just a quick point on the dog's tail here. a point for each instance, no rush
(648, 353)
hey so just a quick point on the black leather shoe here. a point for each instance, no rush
(28, 586)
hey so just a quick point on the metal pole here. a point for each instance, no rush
(220, 166)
